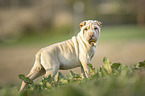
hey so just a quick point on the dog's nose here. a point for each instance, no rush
(91, 35)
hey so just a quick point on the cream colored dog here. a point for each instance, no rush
(76, 52)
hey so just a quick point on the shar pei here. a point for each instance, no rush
(75, 52)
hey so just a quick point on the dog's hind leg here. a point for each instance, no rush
(50, 64)
(34, 73)
(52, 72)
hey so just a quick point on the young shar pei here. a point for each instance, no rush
(76, 52)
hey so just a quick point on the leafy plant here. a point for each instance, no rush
(92, 69)
(142, 64)
(111, 79)
(107, 65)
(25, 79)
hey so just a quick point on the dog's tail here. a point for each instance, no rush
(37, 63)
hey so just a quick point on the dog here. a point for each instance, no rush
(72, 53)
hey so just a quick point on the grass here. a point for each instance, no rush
(128, 32)
(111, 79)
(110, 33)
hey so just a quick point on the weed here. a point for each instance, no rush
(111, 79)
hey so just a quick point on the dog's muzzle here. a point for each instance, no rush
(92, 40)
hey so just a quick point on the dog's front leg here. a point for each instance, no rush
(85, 70)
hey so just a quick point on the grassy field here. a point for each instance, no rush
(109, 33)
(128, 32)
(125, 80)
(112, 79)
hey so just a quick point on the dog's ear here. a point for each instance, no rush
(99, 23)
(82, 24)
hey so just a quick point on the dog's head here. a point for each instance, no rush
(90, 31)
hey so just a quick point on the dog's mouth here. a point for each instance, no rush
(92, 42)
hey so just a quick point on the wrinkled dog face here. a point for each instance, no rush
(90, 31)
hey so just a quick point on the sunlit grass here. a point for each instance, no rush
(124, 81)
(108, 33)
(128, 32)
(111, 79)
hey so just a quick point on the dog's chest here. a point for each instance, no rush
(90, 53)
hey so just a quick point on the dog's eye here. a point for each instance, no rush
(85, 29)
(95, 28)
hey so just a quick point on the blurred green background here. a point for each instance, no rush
(28, 25)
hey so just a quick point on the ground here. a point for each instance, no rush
(124, 44)
(19, 60)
